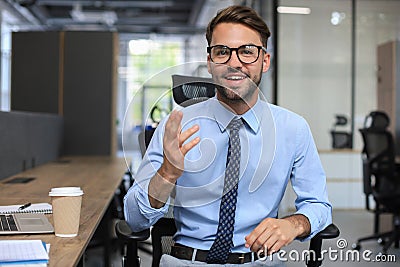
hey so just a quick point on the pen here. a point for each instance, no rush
(24, 206)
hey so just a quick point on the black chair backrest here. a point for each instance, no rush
(188, 90)
(378, 142)
(377, 120)
(378, 154)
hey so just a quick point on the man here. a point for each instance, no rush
(195, 152)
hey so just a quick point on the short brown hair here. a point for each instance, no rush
(243, 15)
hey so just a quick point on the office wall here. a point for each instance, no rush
(28, 139)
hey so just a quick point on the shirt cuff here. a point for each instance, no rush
(144, 204)
(318, 220)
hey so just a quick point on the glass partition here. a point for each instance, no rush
(314, 69)
(378, 22)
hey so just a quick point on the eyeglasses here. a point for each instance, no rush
(246, 54)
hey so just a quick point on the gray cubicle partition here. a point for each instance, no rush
(35, 71)
(72, 74)
(28, 139)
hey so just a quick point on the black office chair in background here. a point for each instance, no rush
(188, 90)
(381, 177)
(340, 138)
(379, 121)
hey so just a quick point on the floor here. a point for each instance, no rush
(352, 224)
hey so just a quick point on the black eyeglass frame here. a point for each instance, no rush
(259, 47)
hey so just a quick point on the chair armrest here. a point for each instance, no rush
(130, 239)
(331, 231)
(125, 233)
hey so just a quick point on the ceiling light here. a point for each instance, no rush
(294, 10)
(142, 46)
(337, 17)
(107, 17)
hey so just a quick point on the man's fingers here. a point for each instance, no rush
(174, 136)
(174, 122)
(188, 133)
(256, 240)
(270, 236)
(256, 233)
(267, 242)
(271, 245)
(275, 247)
(189, 145)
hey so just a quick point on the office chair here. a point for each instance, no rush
(375, 120)
(340, 139)
(381, 177)
(189, 90)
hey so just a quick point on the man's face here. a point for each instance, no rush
(239, 80)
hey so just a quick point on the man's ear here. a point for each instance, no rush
(266, 62)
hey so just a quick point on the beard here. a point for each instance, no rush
(242, 93)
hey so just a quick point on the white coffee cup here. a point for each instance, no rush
(66, 202)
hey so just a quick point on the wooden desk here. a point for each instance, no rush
(98, 177)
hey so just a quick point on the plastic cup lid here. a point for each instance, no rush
(66, 191)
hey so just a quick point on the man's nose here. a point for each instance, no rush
(234, 61)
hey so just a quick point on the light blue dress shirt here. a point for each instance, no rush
(277, 145)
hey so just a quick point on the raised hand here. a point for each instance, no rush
(175, 150)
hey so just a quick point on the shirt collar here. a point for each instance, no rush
(223, 116)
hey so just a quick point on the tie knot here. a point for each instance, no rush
(235, 124)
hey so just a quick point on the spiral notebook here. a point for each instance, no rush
(33, 208)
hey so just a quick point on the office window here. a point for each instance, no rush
(5, 67)
(141, 60)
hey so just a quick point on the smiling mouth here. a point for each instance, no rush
(235, 77)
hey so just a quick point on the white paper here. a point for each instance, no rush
(22, 250)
